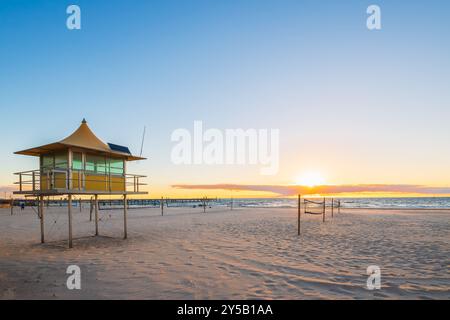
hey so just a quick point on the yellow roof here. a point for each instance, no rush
(82, 138)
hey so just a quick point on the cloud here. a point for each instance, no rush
(7, 188)
(290, 190)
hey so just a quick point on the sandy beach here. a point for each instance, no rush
(247, 253)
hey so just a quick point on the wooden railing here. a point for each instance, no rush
(63, 179)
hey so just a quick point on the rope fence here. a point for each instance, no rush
(316, 207)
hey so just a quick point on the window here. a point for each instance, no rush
(54, 161)
(90, 163)
(47, 161)
(61, 160)
(116, 166)
(95, 164)
(77, 161)
(103, 165)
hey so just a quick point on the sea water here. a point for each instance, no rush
(382, 203)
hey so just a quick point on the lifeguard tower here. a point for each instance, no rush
(80, 164)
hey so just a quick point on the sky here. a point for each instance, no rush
(361, 108)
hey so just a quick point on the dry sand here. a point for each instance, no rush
(239, 254)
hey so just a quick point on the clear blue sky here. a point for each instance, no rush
(378, 102)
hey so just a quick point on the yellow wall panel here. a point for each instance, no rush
(92, 182)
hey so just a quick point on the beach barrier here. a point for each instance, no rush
(335, 204)
(204, 203)
(316, 207)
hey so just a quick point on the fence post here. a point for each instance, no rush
(323, 210)
(332, 207)
(162, 206)
(299, 205)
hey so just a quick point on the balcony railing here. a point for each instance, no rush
(77, 180)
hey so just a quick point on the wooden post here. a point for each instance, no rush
(323, 210)
(69, 209)
(162, 206)
(12, 206)
(125, 209)
(41, 214)
(91, 208)
(204, 205)
(299, 205)
(80, 205)
(69, 177)
(332, 207)
(96, 213)
(231, 206)
(34, 181)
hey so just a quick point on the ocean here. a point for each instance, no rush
(384, 203)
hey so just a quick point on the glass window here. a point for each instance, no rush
(101, 165)
(90, 163)
(61, 160)
(116, 166)
(77, 161)
(96, 164)
(47, 161)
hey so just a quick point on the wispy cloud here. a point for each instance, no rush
(7, 188)
(290, 190)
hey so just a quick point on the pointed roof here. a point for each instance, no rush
(82, 138)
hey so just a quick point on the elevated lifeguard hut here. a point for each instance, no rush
(80, 164)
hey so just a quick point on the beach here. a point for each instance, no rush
(246, 253)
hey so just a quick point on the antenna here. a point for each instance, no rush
(142, 144)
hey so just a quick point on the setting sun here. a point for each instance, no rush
(310, 179)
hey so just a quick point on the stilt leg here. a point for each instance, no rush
(125, 211)
(96, 214)
(69, 209)
(41, 214)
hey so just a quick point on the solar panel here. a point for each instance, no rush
(118, 148)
